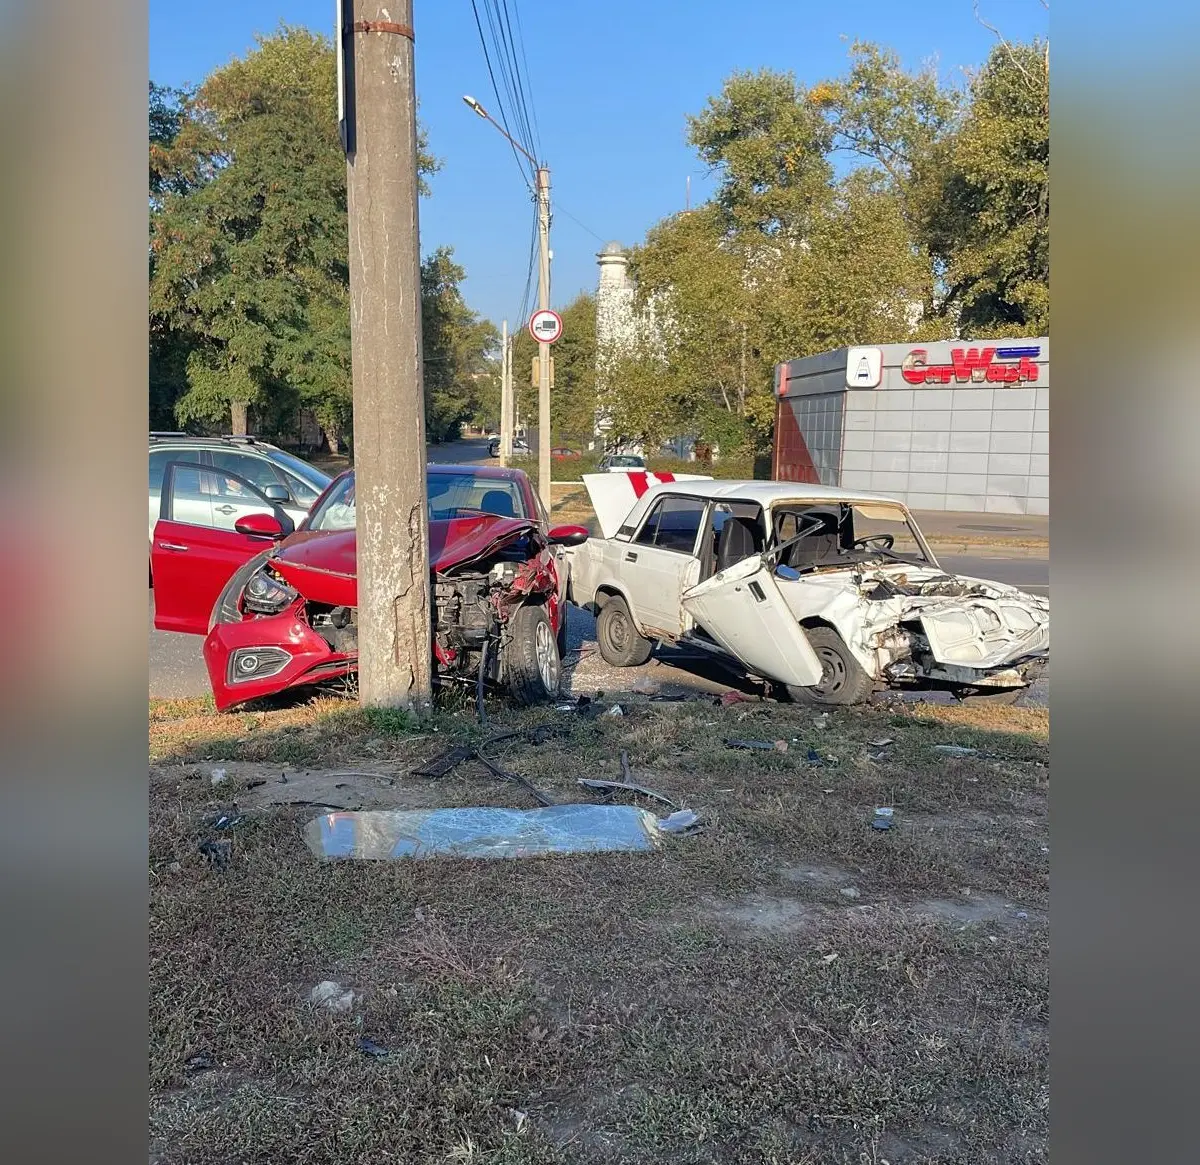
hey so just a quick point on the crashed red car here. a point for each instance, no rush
(278, 608)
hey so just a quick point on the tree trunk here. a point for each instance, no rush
(238, 413)
(335, 441)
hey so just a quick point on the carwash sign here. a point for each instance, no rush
(973, 366)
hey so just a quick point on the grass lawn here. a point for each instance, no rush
(788, 985)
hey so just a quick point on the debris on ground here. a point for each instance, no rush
(727, 699)
(615, 710)
(645, 686)
(760, 745)
(371, 1048)
(848, 892)
(519, 1117)
(822, 721)
(218, 776)
(490, 832)
(198, 1063)
(883, 819)
(227, 820)
(444, 762)
(332, 996)
(607, 788)
(883, 742)
(955, 750)
(815, 758)
(219, 853)
(781, 746)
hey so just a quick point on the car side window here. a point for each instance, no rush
(158, 463)
(257, 470)
(673, 524)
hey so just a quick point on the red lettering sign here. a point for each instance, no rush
(967, 365)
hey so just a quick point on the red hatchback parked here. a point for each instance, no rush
(278, 608)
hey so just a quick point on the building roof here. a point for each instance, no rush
(612, 248)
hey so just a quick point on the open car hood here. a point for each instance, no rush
(322, 564)
(613, 495)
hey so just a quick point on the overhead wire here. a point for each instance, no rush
(521, 85)
(522, 162)
(525, 63)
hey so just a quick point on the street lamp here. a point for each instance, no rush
(543, 202)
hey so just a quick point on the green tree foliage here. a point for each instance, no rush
(459, 348)
(573, 401)
(878, 207)
(992, 222)
(249, 265)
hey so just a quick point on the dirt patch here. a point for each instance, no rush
(764, 912)
(978, 908)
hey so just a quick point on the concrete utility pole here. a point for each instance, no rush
(395, 640)
(543, 204)
(506, 397)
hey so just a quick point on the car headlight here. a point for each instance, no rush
(267, 594)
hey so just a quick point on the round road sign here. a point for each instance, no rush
(545, 326)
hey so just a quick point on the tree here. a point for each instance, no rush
(992, 219)
(458, 347)
(249, 256)
(573, 399)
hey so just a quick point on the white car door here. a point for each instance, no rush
(660, 563)
(743, 610)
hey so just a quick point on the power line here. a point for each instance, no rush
(525, 61)
(521, 85)
(521, 164)
(598, 238)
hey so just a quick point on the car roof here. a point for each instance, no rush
(169, 439)
(766, 493)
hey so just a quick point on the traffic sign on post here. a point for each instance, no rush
(545, 326)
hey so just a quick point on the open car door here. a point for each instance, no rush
(195, 548)
(742, 609)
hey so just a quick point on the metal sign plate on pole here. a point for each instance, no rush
(545, 326)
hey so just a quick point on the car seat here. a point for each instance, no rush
(738, 539)
(818, 548)
(498, 502)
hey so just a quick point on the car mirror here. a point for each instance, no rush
(277, 493)
(568, 535)
(260, 525)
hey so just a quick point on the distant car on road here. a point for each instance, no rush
(563, 453)
(520, 447)
(621, 463)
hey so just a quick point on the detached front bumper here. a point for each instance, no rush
(259, 657)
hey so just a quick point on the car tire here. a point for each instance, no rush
(532, 665)
(843, 680)
(999, 698)
(620, 643)
(493, 448)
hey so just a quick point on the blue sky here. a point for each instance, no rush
(611, 85)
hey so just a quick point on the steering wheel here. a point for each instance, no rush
(886, 541)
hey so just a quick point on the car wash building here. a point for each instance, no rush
(946, 425)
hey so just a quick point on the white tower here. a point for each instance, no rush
(615, 324)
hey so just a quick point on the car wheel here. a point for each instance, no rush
(842, 681)
(620, 643)
(493, 448)
(1000, 697)
(532, 667)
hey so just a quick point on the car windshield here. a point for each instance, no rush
(308, 473)
(819, 535)
(451, 495)
(626, 460)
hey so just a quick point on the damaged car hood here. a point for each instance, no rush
(322, 564)
(968, 622)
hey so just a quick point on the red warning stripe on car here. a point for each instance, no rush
(641, 481)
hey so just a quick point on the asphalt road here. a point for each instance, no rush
(177, 668)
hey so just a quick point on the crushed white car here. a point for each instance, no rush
(828, 593)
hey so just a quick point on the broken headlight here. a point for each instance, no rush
(266, 593)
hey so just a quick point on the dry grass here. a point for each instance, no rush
(718, 1001)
